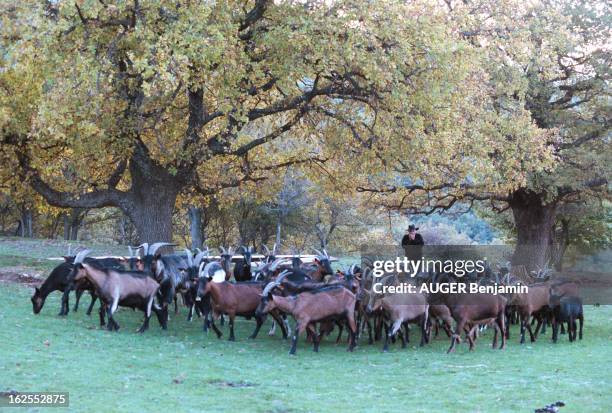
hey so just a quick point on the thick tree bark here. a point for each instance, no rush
(534, 220)
(150, 204)
(195, 226)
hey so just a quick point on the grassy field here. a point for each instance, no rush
(183, 369)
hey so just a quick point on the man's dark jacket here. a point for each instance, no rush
(418, 240)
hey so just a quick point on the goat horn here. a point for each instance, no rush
(145, 248)
(221, 250)
(154, 247)
(274, 249)
(317, 251)
(81, 256)
(282, 276)
(198, 258)
(200, 268)
(189, 257)
(326, 254)
(265, 247)
(277, 262)
(269, 287)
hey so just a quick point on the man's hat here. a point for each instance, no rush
(412, 228)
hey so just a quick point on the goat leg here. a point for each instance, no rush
(214, 327)
(112, 324)
(278, 320)
(272, 330)
(531, 336)
(159, 313)
(64, 306)
(259, 321)
(369, 325)
(581, 319)
(456, 336)
(190, 313)
(102, 312)
(523, 327)
(340, 328)
(294, 339)
(316, 340)
(78, 293)
(501, 324)
(94, 297)
(402, 335)
(145, 324)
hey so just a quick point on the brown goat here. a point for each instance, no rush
(402, 309)
(469, 310)
(440, 315)
(114, 288)
(536, 299)
(329, 303)
(235, 299)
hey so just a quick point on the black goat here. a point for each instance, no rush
(566, 309)
(242, 268)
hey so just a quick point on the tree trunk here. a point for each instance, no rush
(66, 227)
(278, 232)
(25, 224)
(195, 226)
(561, 245)
(151, 206)
(534, 221)
(72, 223)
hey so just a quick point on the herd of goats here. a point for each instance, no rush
(316, 296)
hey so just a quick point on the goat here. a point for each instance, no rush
(533, 302)
(402, 309)
(566, 309)
(226, 261)
(440, 315)
(320, 267)
(59, 280)
(242, 268)
(469, 309)
(190, 274)
(115, 288)
(172, 280)
(132, 262)
(270, 256)
(233, 299)
(328, 303)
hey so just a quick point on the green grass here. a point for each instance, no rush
(183, 369)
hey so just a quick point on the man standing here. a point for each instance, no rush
(412, 242)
